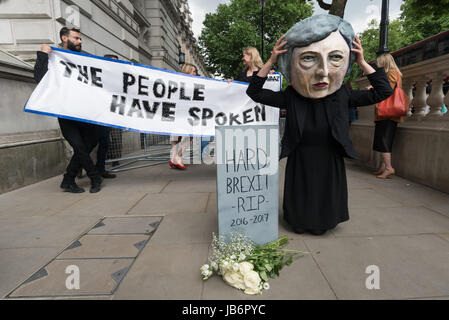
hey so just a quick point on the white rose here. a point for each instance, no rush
(252, 279)
(204, 268)
(252, 290)
(245, 267)
(234, 279)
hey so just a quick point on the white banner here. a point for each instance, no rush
(145, 99)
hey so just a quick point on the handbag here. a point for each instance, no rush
(394, 106)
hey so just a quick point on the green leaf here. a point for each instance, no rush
(268, 267)
(263, 276)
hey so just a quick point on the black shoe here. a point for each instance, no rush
(298, 230)
(71, 187)
(115, 163)
(96, 184)
(317, 232)
(108, 175)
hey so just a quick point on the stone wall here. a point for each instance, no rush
(31, 148)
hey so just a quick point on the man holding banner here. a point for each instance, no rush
(80, 135)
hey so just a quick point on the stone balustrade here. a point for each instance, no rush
(425, 106)
(421, 146)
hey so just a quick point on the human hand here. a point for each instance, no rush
(358, 50)
(277, 50)
(368, 87)
(272, 71)
(46, 48)
(360, 60)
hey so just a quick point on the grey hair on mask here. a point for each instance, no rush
(314, 29)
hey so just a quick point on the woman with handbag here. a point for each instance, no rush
(386, 125)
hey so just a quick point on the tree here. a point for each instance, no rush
(370, 41)
(337, 7)
(237, 25)
(416, 8)
(422, 21)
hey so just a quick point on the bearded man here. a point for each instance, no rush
(80, 135)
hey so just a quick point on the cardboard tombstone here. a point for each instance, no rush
(319, 55)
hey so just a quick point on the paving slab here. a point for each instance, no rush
(358, 183)
(170, 203)
(104, 204)
(97, 277)
(369, 198)
(125, 225)
(432, 298)
(413, 194)
(392, 221)
(212, 204)
(105, 246)
(187, 228)
(140, 181)
(165, 272)
(23, 205)
(197, 185)
(302, 280)
(35, 232)
(410, 266)
(444, 236)
(19, 264)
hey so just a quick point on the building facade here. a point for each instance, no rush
(187, 41)
(148, 32)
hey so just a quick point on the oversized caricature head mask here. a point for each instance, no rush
(319, 55)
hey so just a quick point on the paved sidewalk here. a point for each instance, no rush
(397, 225)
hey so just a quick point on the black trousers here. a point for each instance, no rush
(82, 137)
(103, 146)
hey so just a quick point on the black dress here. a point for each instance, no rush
(315, 176)
(316, 140)
(384, 133)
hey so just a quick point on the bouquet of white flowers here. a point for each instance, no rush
(245, 265)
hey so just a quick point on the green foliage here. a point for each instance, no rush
(422, 21)
(268, 260)
(417, 22)
(370, 43)
(237, 25)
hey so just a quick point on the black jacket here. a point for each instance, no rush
(244, 78)
(336, 106)
(41, 66)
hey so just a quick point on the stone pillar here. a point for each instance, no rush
(407, 86)
(436, 96)
(419, 101)
(446, 102)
